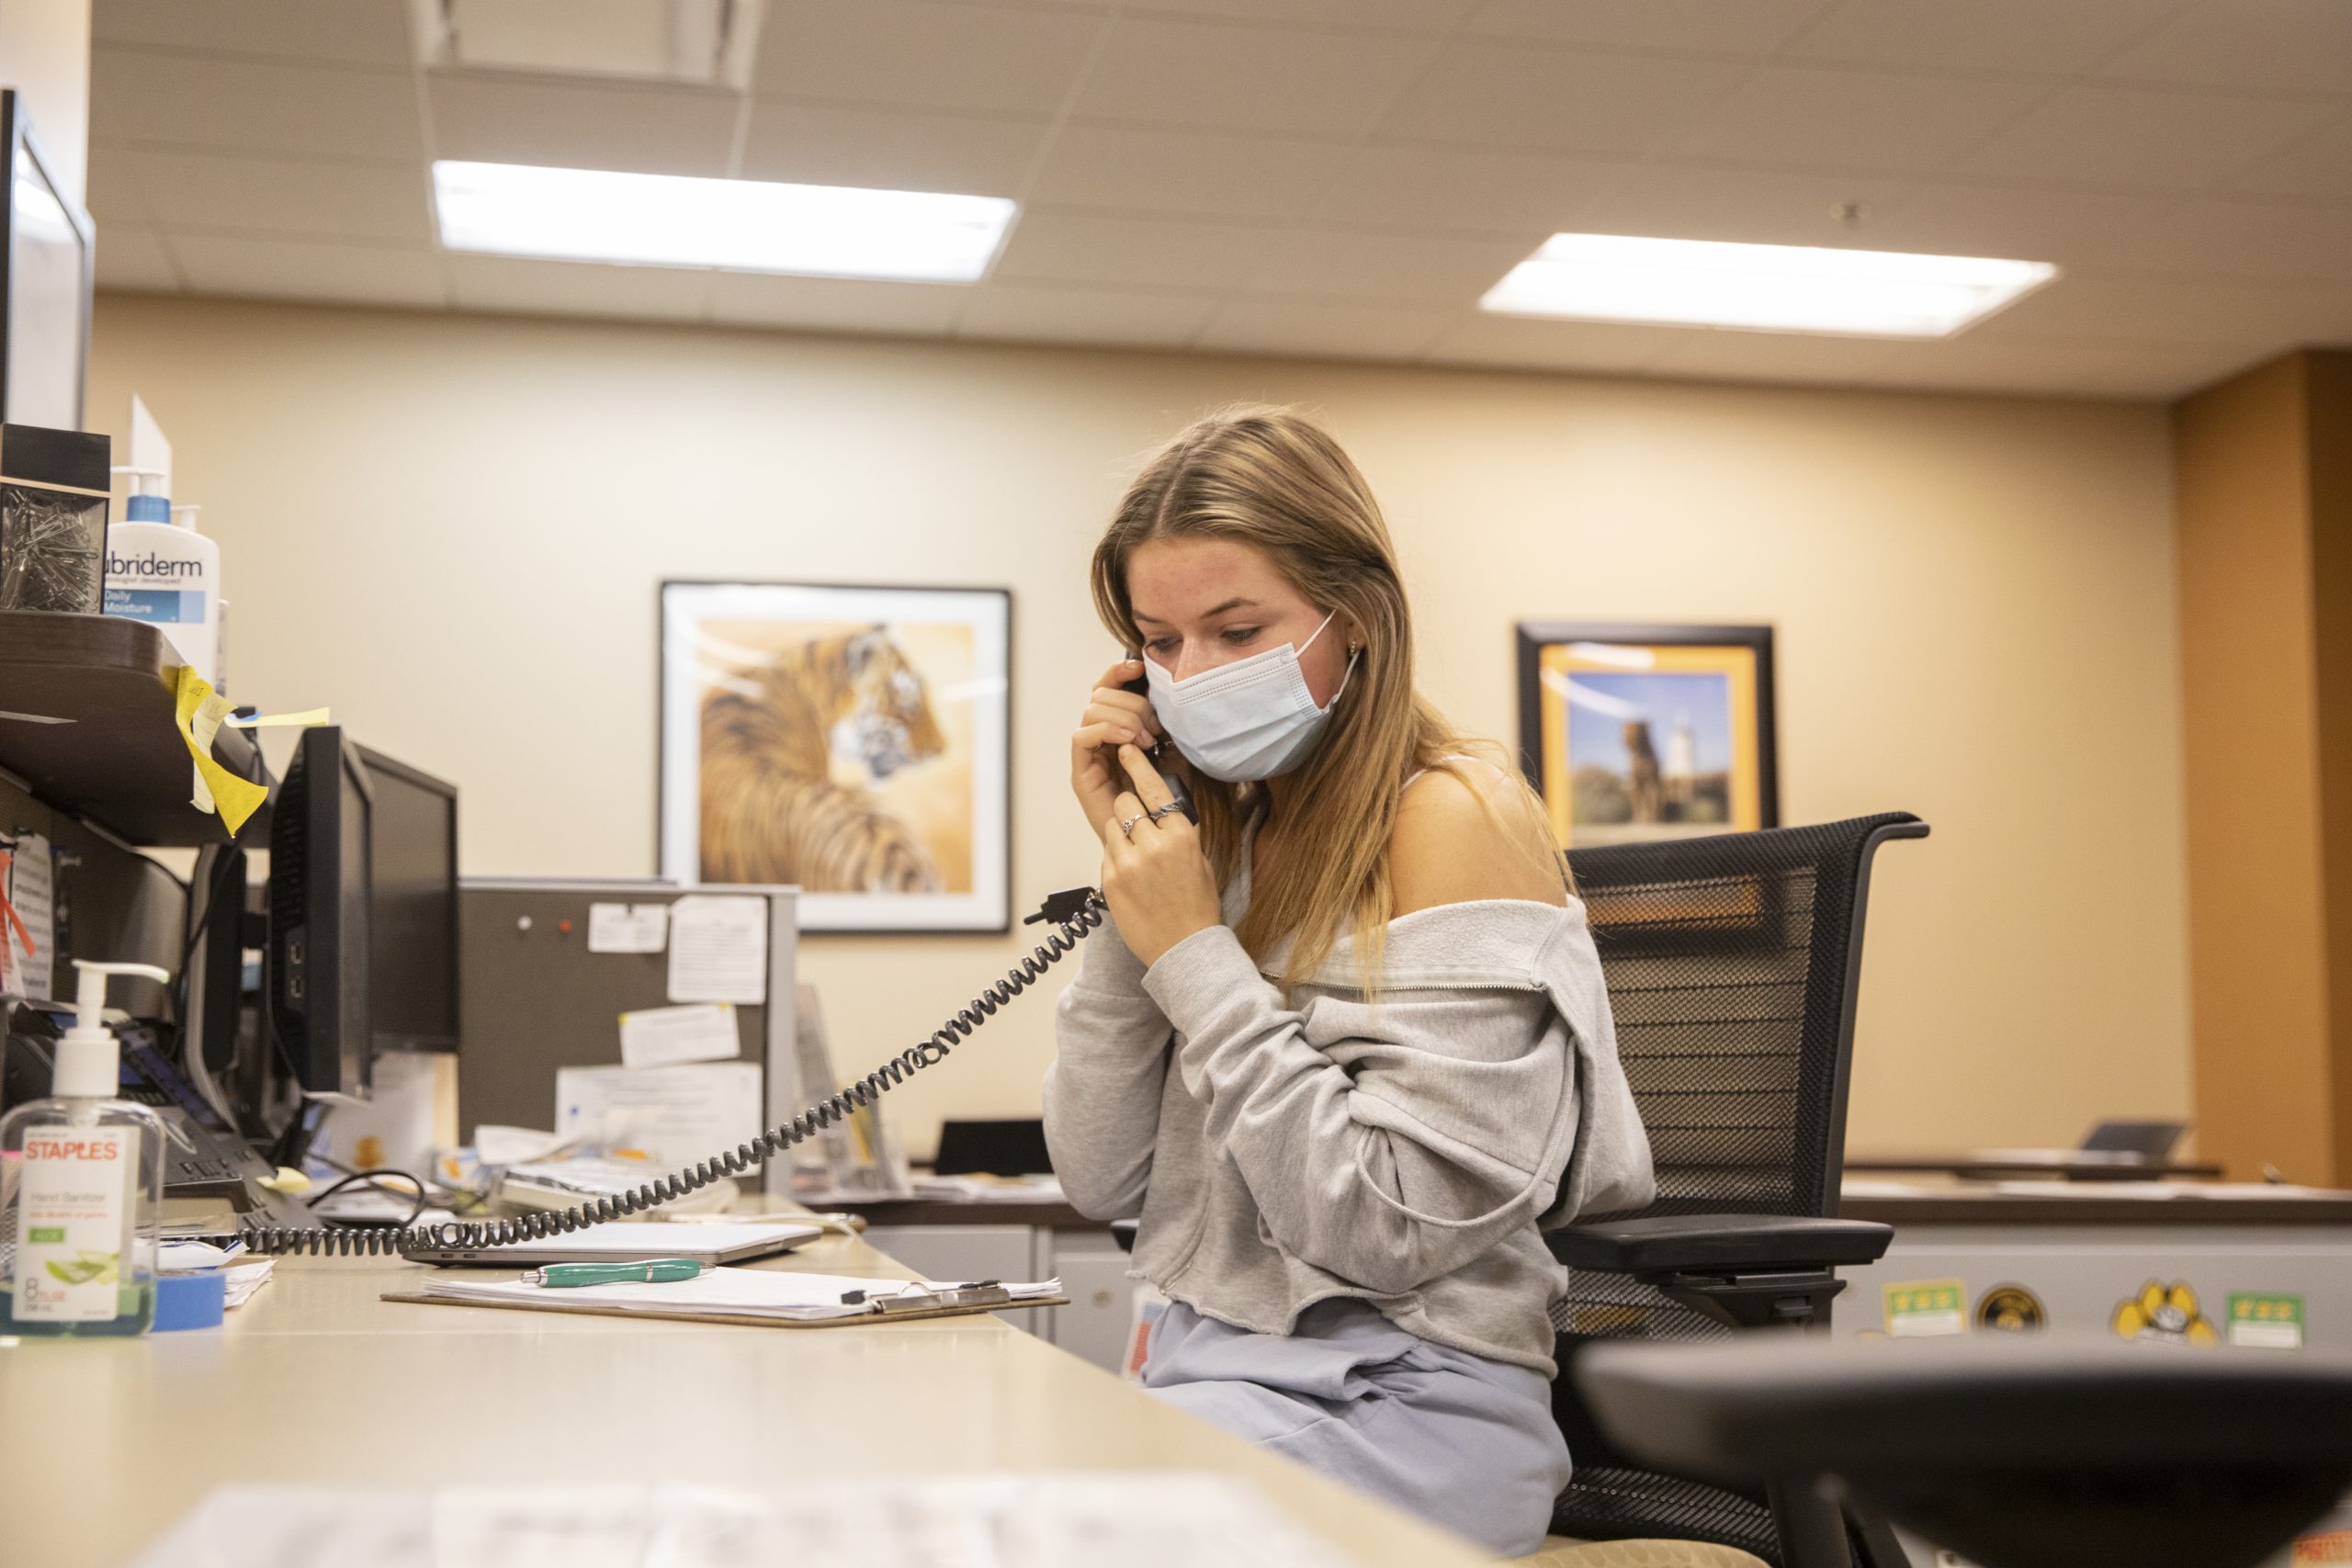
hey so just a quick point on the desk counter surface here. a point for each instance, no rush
(316, 1380)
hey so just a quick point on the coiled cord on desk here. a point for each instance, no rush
(1076, 912)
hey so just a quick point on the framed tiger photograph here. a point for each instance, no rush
(852, 741)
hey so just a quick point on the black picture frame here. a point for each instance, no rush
(994, 886)
(24, 148)
(1533, 637)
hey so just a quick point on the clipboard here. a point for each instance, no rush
(903, 1310)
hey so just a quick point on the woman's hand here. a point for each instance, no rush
(1158, 882)
(1112, 717)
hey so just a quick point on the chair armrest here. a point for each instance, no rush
(1719, 1244)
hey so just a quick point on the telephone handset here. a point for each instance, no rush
(1161, 755)
(1074, 912)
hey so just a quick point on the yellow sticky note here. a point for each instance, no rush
(199, 711)
(302, 720)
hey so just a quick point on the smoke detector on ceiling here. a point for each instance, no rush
(703, 43)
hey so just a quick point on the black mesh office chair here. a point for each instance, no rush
(1733, 964)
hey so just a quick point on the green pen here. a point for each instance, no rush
(647, 1271)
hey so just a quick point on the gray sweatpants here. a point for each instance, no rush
(1464, 1442)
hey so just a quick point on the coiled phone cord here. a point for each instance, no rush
(1074, 913)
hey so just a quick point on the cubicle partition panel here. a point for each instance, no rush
(537, 1000)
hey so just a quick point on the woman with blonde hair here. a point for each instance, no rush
(1347, 1049)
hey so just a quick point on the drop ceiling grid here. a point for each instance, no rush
(1361, 215)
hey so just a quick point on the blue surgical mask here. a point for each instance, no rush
(1250, 719)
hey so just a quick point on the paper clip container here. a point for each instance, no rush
(53, 519)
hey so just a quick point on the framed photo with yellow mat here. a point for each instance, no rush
(1633, 733)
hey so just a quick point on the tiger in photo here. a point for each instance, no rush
(771, 809)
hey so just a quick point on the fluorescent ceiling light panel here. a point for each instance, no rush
(735, 225)
(1773, 288)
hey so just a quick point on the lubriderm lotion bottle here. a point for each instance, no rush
(84, 1174)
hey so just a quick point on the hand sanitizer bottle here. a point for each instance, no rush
(83, 1173)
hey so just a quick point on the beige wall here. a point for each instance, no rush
(450, 528)
(45, 52)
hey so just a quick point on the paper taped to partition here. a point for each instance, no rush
(674, 1114)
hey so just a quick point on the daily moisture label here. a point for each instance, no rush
(146, 586)
(71, 1219)
(177, 606)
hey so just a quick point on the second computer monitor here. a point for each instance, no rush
(412, 913)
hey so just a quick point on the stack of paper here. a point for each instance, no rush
(244, 1279)
(729, 1292)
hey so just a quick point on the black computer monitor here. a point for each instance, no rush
(321, 896)
(412, 915)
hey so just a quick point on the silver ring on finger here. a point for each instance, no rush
(1156, 812)
(1127, 826)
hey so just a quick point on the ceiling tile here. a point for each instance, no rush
(2088, 371)
(2073, 229)
(281, 196)
(835, 304)
(923, 53)
(2268, 240)
(308, 269)
(1435, 187)
(2319, 167)
(1528, 97)
(356, 32)
(2256, 46)
(113, 195)
(579, 289)
(1852, 119)
(2032, 36)
(2142, 136)
(1723, 27)
(1348, 263)
(2127, 310)
(1765, 207)
(1429, 16)
(1770, 356)
(1034, 314)
(133, 259)
(1343, 331)
(1230, 76)
(1139, 252)
(1528, 343)
(890, 149)
(645, 128)
(1204, 173)
(160, 98)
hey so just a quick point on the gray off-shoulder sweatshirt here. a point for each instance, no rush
(1282, 1151)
